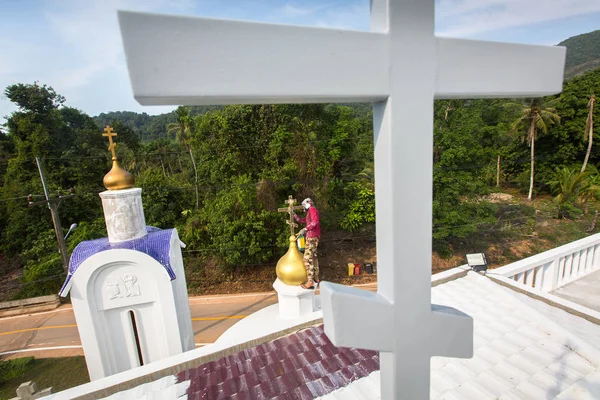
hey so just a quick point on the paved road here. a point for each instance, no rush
(211, 316)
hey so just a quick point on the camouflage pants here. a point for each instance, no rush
(311, 261)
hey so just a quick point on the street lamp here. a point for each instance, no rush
(73, 226)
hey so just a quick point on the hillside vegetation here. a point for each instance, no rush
(219, 175)
(148, 127)
(583, 53)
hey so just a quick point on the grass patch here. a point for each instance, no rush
(60, 373)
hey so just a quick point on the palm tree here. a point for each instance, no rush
(590, 190)
(182, 130)
(571, 186)
(589, 130)
(535, 115)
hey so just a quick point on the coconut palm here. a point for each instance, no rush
(182, 130)
(571, 186)
(536, 115)
(567, 184)
(589, 130)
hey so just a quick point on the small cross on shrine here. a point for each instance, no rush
(401, 67)
(112, 145)
(290, 210)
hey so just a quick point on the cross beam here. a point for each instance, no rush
(235, 55)
(108, 132)
(290, 210)
(400, 66)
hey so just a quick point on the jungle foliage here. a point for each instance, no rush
(219, 174)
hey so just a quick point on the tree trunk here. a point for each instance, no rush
(498, 172)
(196, 178)
(589, 150)
(591, 228)
(590, 120)
(163, 166)
(532, 133)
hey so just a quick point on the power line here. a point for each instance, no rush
(21, 283)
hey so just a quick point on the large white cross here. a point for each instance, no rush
(400, 66)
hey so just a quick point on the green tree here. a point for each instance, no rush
(463, 150)
(70, 146)
(536, 114)
(233, 227)
(182, 130)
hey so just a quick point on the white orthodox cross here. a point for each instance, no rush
(401, 67)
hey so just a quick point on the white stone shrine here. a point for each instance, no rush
(401, 67)
(128, 291)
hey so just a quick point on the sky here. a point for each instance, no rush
(75, 45)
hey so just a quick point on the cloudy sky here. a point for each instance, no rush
(75, 45)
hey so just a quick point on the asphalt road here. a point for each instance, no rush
(54, 333)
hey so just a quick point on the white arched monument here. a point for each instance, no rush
(128, 290)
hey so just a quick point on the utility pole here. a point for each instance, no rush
(53, 204)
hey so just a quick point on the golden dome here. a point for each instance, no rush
(290, 268)
(117, 178)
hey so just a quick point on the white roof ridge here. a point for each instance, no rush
(551, 299)
(577, 344)
(584, 389)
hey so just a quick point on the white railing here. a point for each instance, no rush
(554, 268)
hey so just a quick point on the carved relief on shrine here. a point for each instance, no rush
(121, 285)
(125, 286)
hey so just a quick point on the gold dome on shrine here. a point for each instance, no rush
(117, 178)
(290, 268)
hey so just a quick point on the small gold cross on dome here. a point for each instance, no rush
(112, 145)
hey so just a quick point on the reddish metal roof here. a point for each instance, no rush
(303, 365)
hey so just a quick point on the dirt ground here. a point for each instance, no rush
(336, 250)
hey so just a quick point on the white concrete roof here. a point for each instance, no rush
(578, 326)
(524, 349)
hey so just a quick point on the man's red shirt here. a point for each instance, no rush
(313, 225)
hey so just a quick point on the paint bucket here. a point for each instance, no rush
(301, 243)
(350, 269)
(356, 269)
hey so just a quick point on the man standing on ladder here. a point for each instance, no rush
(312, 232)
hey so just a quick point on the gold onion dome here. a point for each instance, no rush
(117, 178)
(290, 268)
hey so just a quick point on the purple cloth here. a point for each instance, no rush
(157, 244)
